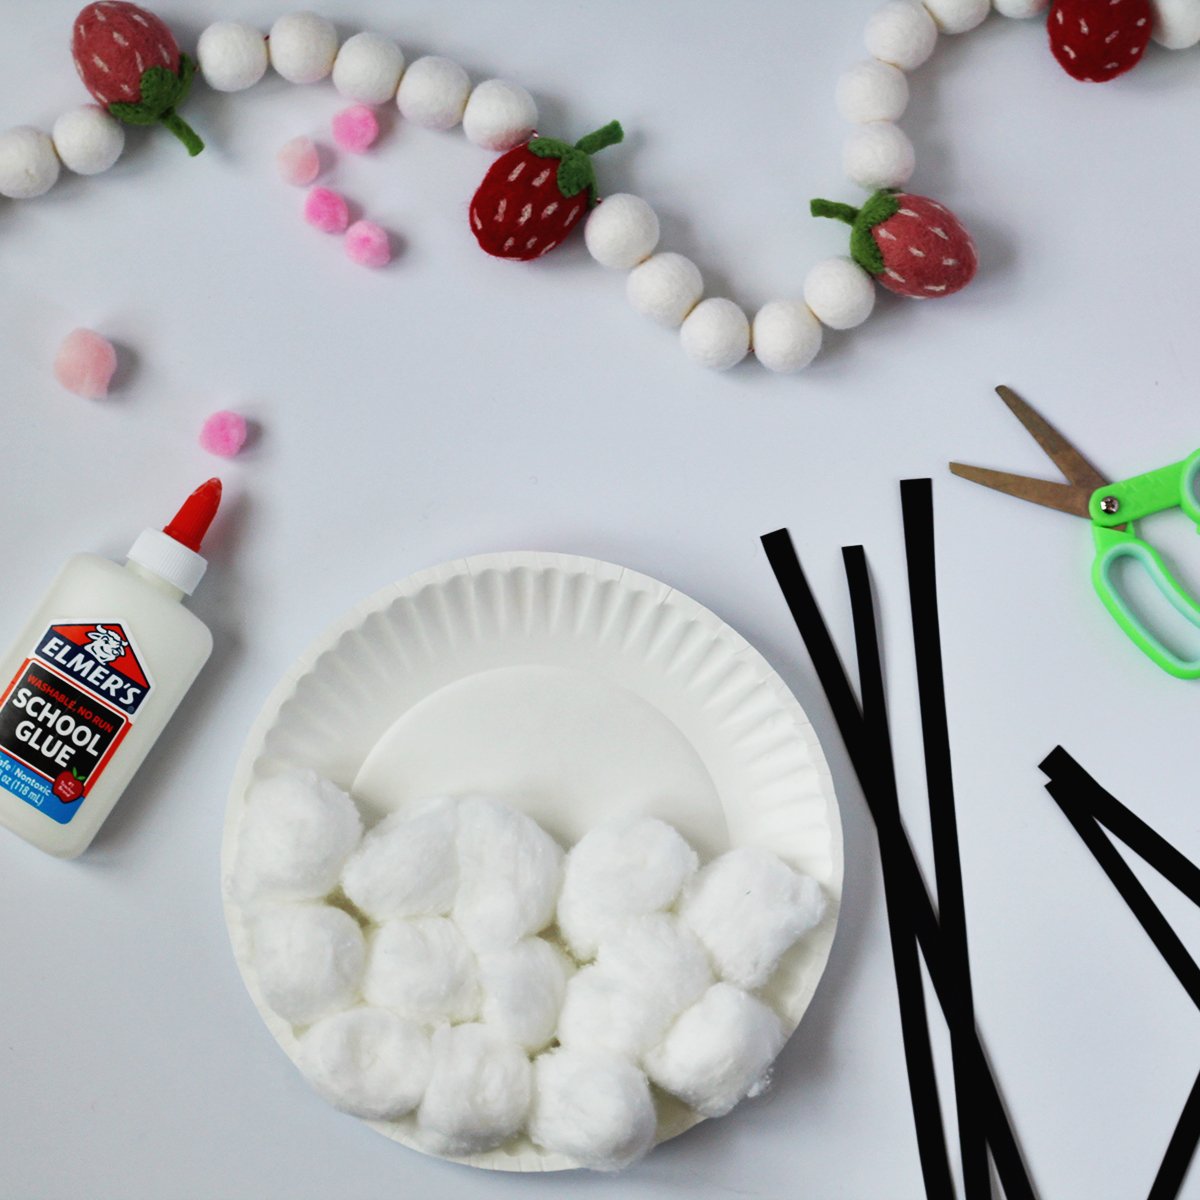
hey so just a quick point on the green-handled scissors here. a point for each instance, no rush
(1111, 508)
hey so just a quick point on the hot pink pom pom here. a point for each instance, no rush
(298, 162)
(85, 364)
(367, 244)
(224, 433)
(355, 128)
(326, 210)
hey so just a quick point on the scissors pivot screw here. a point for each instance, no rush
(1109, 505)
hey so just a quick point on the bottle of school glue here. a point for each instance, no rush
(95, 675)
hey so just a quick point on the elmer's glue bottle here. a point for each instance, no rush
(95, 675)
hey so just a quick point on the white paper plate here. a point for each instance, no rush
(575, 690)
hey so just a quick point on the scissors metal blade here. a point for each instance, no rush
(1069, 461)
(1066, 497)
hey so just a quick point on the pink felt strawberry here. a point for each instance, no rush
(1096, 40)
(914, 246)
(534, 195)
(129, 60)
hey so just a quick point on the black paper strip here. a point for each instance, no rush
(1180, 1149)
(916, 498)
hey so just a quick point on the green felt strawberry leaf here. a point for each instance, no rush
(134, 114)
(864, 249)
(548, 147)
(161, 89)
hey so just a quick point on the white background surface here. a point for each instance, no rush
(452, 404)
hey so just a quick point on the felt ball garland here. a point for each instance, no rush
(540, 188)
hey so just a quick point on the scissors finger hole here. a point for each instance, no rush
(1156, 606)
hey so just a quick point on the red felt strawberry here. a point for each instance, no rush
(913, 245)
(129, 60)
(1096, 40)
(68, 787)
(534, 195)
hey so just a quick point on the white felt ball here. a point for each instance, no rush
(433, 92)
(297, 831)
(1020, 8)
(958, 16)
(1176, 23)
(786, 335)
(423, 970)
(718, 1052)
(302, 47)
(88, 140)
(872, 91)
(748, 907)
(716, 334)
(407, 866)
(902, 33)
(665, 288)
(28, 163)
(603, 1010)
(232, 56)
(621, 231)
(839, 292)
(660, 955)
(499, 115)
(620, 869)
(308, 959)
(878, 155)
(367, 1062)
(594, 1107)
(523, 990)
(479, 1091)
(509, 874)
(368, 68)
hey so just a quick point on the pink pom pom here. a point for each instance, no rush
(355, 128)
(85, 364)
(298, 162)
(224, 433)
(367, 244)
(326, 210)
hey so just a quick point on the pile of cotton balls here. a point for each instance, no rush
(455, 964)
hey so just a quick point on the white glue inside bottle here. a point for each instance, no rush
(95, 675)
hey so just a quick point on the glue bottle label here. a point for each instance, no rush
(65, 712)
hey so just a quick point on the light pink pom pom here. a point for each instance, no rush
(298, 162)
(85, 364)
(355, 128)
(367, 244)
(326, 210)
(224, 433)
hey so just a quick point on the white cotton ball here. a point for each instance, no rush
(499, 115)
(28, 163)
(478, 1093)
(407, 866)
(718, 1052)
(872, 91)
(423, 970)
(297, 831)
(716, 334)
(523, 990)
(604, 1010)
(749, 908)
(1176, 23)
(232, 56)
(367, 1062)
(509, 874)
(88, 140)
(957, 16)
(621, 231)
(308, 959)
(878, 155)
(368, 68)
(302, 47)
(594, 1107)
(786, 335)
(839, 292)
(620, 869)
(665, 288)
(902, 33)
(660, 955)
(433, 93)
(1020, 8)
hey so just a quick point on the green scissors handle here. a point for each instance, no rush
(1113, 509)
